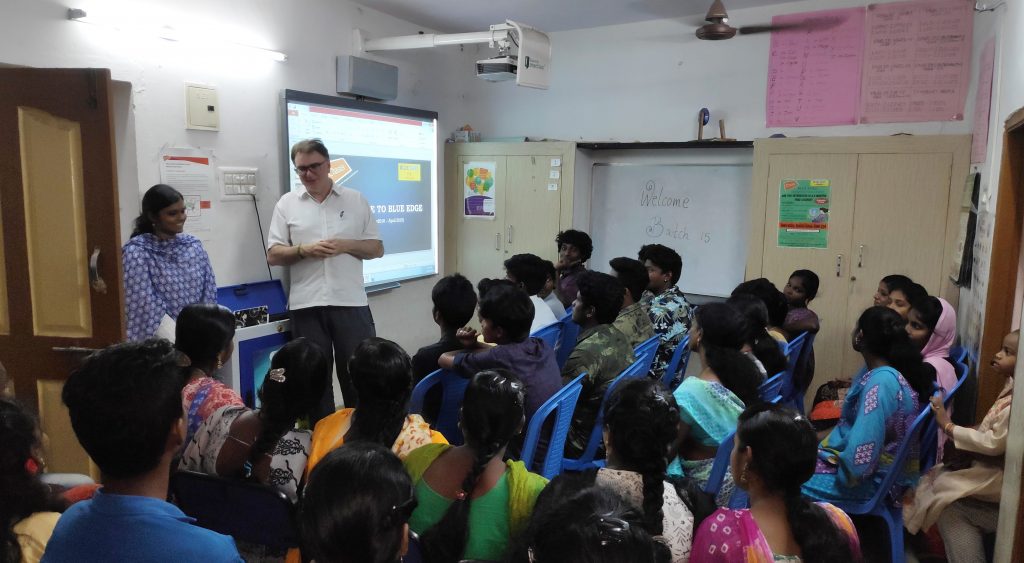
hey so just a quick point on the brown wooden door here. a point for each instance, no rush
(59, 212)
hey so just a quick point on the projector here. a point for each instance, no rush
(497, 69)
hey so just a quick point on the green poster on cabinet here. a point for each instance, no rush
(804, 207)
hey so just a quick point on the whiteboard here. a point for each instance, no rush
(699, 210)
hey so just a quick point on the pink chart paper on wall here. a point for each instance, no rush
(917, 61)
(814, 74)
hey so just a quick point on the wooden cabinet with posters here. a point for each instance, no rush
(894, 209)
(529, 205)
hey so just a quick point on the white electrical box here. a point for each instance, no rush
(202, 110)
(238, 182)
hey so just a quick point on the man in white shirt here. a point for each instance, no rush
(323, 234)
(529, 272)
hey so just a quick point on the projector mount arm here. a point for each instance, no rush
(502, 35)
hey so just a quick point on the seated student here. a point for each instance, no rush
(505, 312)
(548, 293)
(800, 290)
(595, 525)
(760, 346)
(454, 305)
(205, 332)
(711, 402)
(574, 249)
(632, 320)
(963, 494)
(527, 272)
(774, 452)
(125, 407)
(665, 302)
(886, 284)
(263, 445)
(29, 511)
(901, 296)
(382, 376)
(931, 326)
(878, 411)
(641, 423)
(470, 501)
(774, 301)
(602, 352)
(356, 506)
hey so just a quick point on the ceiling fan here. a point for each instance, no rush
(718, 25)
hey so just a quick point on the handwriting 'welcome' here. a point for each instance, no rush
(653, 195)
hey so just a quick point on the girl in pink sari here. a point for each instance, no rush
(775, 451)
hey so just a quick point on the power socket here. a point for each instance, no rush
(238, 183)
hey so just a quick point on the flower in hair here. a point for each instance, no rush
(276, 374)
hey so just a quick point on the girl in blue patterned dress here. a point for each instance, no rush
(877, 413)
(164, 269)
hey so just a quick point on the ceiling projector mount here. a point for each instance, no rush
(524, 53)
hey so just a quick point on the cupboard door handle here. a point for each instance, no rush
(839, 265)
(497, 241)
(510, 234)
(95, 280)
(860, 257)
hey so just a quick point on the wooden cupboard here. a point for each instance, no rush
(894, 209)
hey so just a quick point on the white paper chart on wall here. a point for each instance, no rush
(699, 210)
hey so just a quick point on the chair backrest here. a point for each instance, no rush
(958, 354)
(720, 465)
(679, 362)
(567, 342)
(929, 436)
(453, 387)
(248, 512)
(563, 405)
(792, 351)
(900, 459)
(772, 387)
(647, 350)
(551, 334)
(634, 370)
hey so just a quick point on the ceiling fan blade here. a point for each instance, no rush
(816, 24)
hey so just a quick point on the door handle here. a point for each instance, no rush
(95, 280)
(510, 234)
(839, 265)
(74, 350)
(497, 241)
(860, 257)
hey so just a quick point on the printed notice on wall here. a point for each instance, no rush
(191, 172)
(804, 207)
(983, 102)
(917, 61)
(814, 71)
(479, 189)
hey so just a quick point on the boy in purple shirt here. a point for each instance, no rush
(505, 315)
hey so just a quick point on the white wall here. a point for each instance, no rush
(312, 32)
(647, 81)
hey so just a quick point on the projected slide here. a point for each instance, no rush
(387, 153)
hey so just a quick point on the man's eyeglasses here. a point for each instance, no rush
(309, 167)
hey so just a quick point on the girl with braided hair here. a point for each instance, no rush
(470, 502)
(381, 373)
(263, 445)
(774, 453)
(877, 413)
(641, 423)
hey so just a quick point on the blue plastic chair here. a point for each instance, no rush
(567, 342)
(647, 351)
(678, 364)
(719, 468)
(587, 458)
(453, 387)
(551, 334)
(249, 512)
(793, 351)
(772, 387)
(563, 405)
(959, 355)
(878, 505)
(930, 434)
